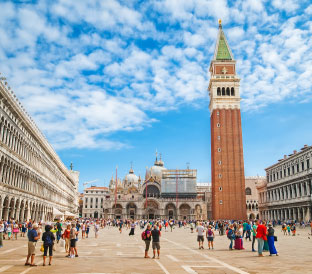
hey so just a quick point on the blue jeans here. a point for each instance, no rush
(231, 244)
(260, 245)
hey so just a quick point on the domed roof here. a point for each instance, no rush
(156, 170)
(131, 177)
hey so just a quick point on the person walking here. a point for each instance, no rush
(210, 236)
(33, 237)
(48, 239)
(271, 239)
(132, 226)
(96, 229)
(156, 243)
(261, 237)
(200, 235)
(59, 231)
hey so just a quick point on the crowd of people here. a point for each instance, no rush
(66, 234)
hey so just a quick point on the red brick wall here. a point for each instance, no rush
(232, 167)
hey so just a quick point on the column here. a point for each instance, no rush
(298, 214)
(303, 214)
(308, 213)
(17, 214)
(21, 216)
(5, 213)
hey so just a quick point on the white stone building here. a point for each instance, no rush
(34, 182)
(287, 192)
(93, 201)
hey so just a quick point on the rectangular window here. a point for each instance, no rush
(288, 171)
(281, 174)
(308, 163)
(302, 166)
(285, 172)
(297, 168)
(293, 169)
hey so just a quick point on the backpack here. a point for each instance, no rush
(210, 233)
(231, 234)
(143, 236)
(48, 240)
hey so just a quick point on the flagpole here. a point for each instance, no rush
(116, 188)
(177, 189)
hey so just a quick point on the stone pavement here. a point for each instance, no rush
(113, 252)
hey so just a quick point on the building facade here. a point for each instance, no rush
(251, 191)
(34, 182)
(286, 194)
(227, 161)
(162, 194)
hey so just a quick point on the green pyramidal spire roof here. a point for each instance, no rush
(222, 51)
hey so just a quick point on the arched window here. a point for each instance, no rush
(248, 191)
(219, 91)
(232, 92)
(228, 91)
(223, 91)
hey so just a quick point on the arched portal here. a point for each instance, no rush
(185, 211)
(152, 191)
(117, 211)
(96, 215)
(171, 211)
(131, 211)
(152, 210)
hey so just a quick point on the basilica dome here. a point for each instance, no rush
(131, 177)
(156, 170)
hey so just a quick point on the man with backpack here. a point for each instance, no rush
(48, 242)
(231, 236)
(146, 237)
(72, 236)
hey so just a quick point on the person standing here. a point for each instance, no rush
(1, 233)
(271, 241)
(147, 239)
(66, 237)
(210, 236)
(200, 235)
(96, 229)
(231, 236)
(132, 228)
(261, 237)
(59, 231)
(33, 237)
(254, 233)
(48, 242)
(73, 241)
(156, 243)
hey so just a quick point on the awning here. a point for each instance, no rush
(69, 214)
(56, 212)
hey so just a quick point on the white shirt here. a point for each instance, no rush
(1, 227)
(200, 230)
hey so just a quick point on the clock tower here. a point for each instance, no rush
(227, 160)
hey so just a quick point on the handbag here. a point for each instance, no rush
(275, 238)
(62, 243)
(41, 248)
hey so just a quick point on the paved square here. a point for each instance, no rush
(113, 252)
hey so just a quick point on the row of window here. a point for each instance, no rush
(101, 192)
(287, 192)
(289, 171)
(225, 91)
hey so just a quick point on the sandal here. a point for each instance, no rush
(27, 263)
(33, 265)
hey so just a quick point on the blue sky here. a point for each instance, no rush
(109, 82)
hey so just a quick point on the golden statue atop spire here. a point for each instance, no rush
(220, 23)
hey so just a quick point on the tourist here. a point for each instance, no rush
(9, 229)
(254, 233)
(261, 237)
(1, 233)
(48, 242)
(271, 239)
(248, 231)
(73, 240)
(155, 244)
(210, 236)
(244, 228)
(288, 229)
(293, 229)
(58, 231)
(238, 244)
(231, 236)
(24, 229)
(146, 236)
(200, 235)
(284, 229)
(132, 228)
(96, 229)
(33, 237)
(15, 230)
(87, 229)
(66, 237)
(83, 230)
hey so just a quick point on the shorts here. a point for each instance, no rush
(200, 238)
(73, 243)
(155, 245)
(31, 248)
(147, 245)
(210, 239)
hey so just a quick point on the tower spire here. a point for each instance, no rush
(222, 50)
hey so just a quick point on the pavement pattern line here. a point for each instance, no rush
(12, 249)
(172, 258)
(25, 271)
(236, 269)
(162, 267)
(6, 267)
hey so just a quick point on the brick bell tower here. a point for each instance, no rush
(227, 160)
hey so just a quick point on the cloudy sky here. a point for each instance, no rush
(109, 82)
